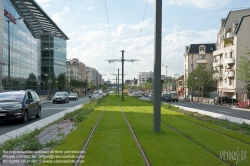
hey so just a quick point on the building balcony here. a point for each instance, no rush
(215, 64)
(229, 60)
(230, 73)
(201, 61)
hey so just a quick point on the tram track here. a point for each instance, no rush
(190, 139)
(80, 156)
(143, 154)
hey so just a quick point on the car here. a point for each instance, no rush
(166, 97)
(225, 100)
(243, 104)
(138, 94)
(174, 96)
(95, 91)
(73, 96)
(61, 97)
(100, 92)
(19, 105)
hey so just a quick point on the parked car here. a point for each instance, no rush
(100, 92)
(139, 94)
(73, 96)
(243, 104)
(174, 97)
(95, 91)
(166, 97)
(19, 105)
(61, 97)
(224, 100)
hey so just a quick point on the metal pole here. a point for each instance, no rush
(8, 21)
(118, 83)
(49, 81)
(192, 65)
(202, 94)
(157, 66)
(122, 74)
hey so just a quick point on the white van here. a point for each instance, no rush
(174, 96)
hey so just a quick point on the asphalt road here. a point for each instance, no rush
(48, 109)
(225, 110)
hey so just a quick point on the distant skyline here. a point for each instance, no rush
(183, 23)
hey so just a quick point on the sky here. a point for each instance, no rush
(99, 29)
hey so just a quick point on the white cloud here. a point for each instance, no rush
(91, 8)
(58, 17)
(203, 4)
(200, 17)
(84, 27)
(94, 47)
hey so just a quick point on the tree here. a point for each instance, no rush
(32, 81)
(201, 77)
(61, 81)
(243, 69)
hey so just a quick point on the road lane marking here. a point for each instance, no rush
(224, 111)
(57, 108)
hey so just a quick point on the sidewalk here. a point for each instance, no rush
(44, 99)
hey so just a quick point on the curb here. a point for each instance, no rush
(36, 125)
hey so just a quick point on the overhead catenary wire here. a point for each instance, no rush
(139, 35)
(110, 31)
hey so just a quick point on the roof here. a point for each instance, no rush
(241, 20)
(233, 11)
(37, 21)
(194, 48)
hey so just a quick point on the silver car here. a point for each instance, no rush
(61, 97)
(73, 96)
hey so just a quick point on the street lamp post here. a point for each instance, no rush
(192, 65)
(166, 73)
(8, 21)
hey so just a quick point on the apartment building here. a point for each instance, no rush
(232, 40)
(73, 70)
(144, 76)
(92, 75)
(197, 54)
(82, 68)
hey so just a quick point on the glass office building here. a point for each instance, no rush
(24, 51)
(33, 42)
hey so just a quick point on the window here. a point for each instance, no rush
(202, 49)
(225, 80)
(211, 48)
(230, 81)
(225, 55)
(230, 55)
(201, 56)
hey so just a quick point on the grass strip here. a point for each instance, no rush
(233, 134)
(112, 142)
(166, 147)
(213, 141)
(75, 140)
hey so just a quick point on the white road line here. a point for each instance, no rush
(57, 108)
(224, 111)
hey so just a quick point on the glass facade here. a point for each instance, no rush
(25, 53)
(53, 57)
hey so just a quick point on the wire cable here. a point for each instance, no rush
(110, 30)
(139, 35)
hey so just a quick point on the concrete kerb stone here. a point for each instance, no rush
(216, 115)
(4, 138)
(39, 125)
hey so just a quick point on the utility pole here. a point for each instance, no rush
(192, 65)
(121, 60)
(166, 75)
(157, 66)
(118, 81)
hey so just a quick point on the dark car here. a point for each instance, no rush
(166, 97)
(19, 105)
(61, 97)
(224, 100)
(73, 96)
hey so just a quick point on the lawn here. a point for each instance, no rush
(183, 140)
